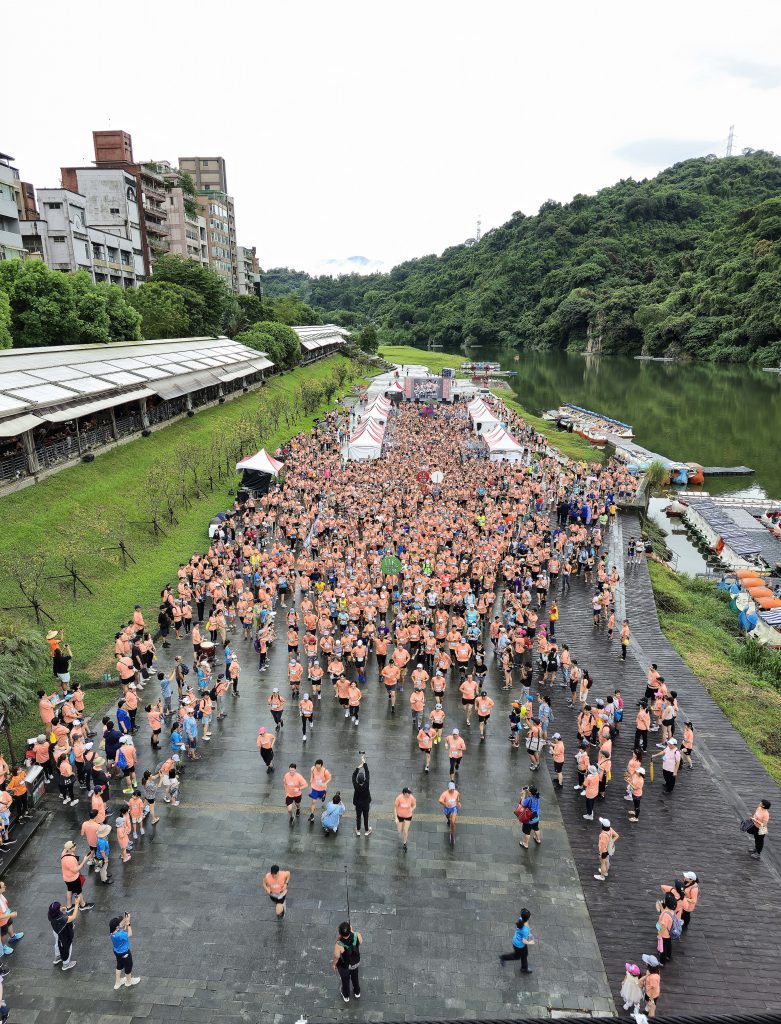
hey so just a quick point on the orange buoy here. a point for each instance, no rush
(752, 581)
(757, 592)
(746, 573)
(766, 603)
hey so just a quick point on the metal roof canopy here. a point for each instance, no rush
(53, 382)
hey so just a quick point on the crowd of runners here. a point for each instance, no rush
(484, 555)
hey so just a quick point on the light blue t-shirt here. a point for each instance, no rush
(332, 815)
(522, 935)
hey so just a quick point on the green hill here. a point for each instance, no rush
(685, 264)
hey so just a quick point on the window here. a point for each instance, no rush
(58, 238)
(54, 206)
(204, 163)
(114, 209)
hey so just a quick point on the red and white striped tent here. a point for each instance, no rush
(366, 440)
(260, 462)
(482, 417)
(377, 410)
(502, 445)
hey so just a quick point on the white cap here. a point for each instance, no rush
(124, 739)
(176, 759)
(306, 696)
(275, 690)
(451, 785)
(76, 721)
(605, 822)
(690, 876)
(651, 960)
(132, 686)
(438, 707)
(672, 743)
(455, 732)
(640, 771)
(556, 736)
(592, 769)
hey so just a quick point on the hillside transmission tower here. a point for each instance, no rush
(479, 232)
(730, 140)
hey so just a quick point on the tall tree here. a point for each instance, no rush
(204, 281)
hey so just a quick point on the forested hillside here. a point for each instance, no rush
(687, 263)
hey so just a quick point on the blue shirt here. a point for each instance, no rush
(165, 686)
(534, 805)
(176, 742)
(332, 815)
(521, 936)
(103, 849)
(123, 720)
(190, 727)
(120, 940)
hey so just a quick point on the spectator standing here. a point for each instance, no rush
(121, 934)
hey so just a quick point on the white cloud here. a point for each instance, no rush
(379, 128)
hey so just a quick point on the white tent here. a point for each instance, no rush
(502, 445)
(482, 417)
(260, 462)
(366, 441)
(377, 410)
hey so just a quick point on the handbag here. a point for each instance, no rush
(82, 878)
(533, 744)
(746, 825)
(523, 814)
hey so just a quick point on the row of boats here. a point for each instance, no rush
(593, 427)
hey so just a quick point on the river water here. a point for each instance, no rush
(693, 412)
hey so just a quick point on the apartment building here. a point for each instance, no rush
(248, 270)
(217, 207)
(11, 211)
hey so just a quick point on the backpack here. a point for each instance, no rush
(676, 928)
(121, 759)
(351, 955)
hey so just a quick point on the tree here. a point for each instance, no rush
(289, 309)
(311, 394)
(367, 339)
(90, 309)
(251, 309)
(28, 571)
(163, 309)
(204, 281)
(284, 349)
(23, 662)
(5, 320)
(124, 319)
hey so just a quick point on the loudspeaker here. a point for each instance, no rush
(89, 457)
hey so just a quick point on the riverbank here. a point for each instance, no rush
(111, 489)
(743, 678)
(571, 445)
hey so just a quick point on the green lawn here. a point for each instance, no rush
(114, 484)
(743, 678)
(571, 445)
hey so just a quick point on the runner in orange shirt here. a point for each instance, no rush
(307, 711)
(354, 701)
(319, 777)
(265, 744)
(277, 704)
(484, 703)
(469, 690)
(455, 748)
(417, 701)
(391, 676)
(294, 785)
(403, 808)
(424, 744)
(451, 803)
(276, 884)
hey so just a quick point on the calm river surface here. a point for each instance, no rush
(711, 414)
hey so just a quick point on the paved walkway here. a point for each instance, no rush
(735, 937)
(207, 945)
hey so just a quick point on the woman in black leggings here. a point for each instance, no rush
(362, 797)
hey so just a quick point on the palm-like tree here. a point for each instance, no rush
(653, 478)
(23, 661)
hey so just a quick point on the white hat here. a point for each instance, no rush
(451, 785)
(76, 721)
(455, 732)
(88, 746)
(592, 769)
(176, 759)
(124, 739)
(275, 690)
(672, 743)
(556, 736)
(605, 822)
(420, 664)
(438, 707)
(640, 771)
(651, 960)
(690, 876)
(306, 696)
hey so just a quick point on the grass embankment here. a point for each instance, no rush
(743, 677)
(114, 484)
(571, 445)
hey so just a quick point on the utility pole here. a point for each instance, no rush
(730, 139)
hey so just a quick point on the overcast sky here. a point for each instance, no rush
(364, 128)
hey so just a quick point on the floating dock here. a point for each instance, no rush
(727, 471)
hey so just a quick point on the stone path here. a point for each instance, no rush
(207, 944)
(735, 937)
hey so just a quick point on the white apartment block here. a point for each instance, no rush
(11, 244)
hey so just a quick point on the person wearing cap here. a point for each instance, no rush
(276, 703)
(7, 916)
(403, 808)
(590, 790)
(102, 854)
(455, 747)
(606, 845)
(424, 744)
(294, 785)
(451, 804)
(558, 752)
(17, 787)
(691, 893)
(265, 745)
(651, 983)
(306, 709)
(72, 868)
(671, 762)
(62, 920)
(666, 908)
(469, 690)
(483, 703)
(582, 762)
(687, 744)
